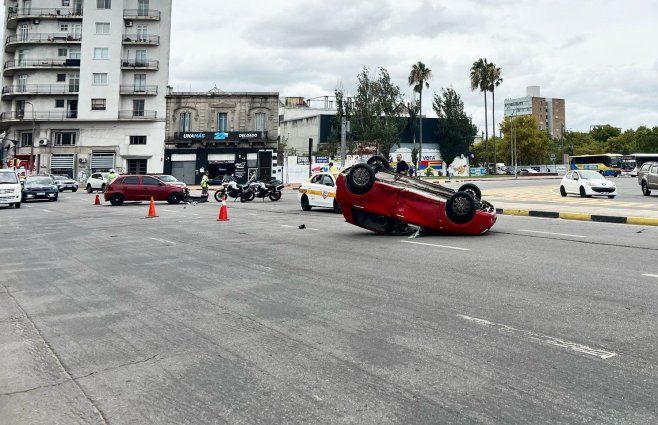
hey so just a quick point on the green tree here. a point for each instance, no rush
(624, 144)
(419, 79)
(601, 133)
(647, 139)
(480, 81)
(456, 130)
(576, 142)
(532, 144)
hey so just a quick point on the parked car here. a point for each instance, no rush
(10, 188)
(319, 191)
(527, 171)
(172, 180)
(587, 183)
(142, 188)
(376, 198)
(647, 177)
(65, 183)
(97, 182)
(40, 187)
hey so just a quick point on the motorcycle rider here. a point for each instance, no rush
(204, 184)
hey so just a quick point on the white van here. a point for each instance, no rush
(10, 188)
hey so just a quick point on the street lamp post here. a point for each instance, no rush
(34, 129)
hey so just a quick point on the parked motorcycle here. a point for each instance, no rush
(230, 189)
(260, 189)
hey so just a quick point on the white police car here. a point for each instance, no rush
(319, 191)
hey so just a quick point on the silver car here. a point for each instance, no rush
(65, 183)
(647, 177)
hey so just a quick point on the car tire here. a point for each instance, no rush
(306, 205)
(563, 191)
(116, 199)
(379, 163)
(360, 179)
(60, 190)
(460, 208)
(53, 199)
(611, 196)
(583, 194)
(337, 209)
(472, 189)
(275, 196)
(174, 198)
(89, 188)
(17, 205)
(645, 189)
(74, 190)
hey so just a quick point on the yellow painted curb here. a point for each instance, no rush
(524, 213)
(643, 221)
(575, 216)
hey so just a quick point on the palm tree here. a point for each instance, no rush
(479, 81)
(494, 80)
(418, 79)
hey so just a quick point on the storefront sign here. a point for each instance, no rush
(302, 160)
(322, 159)
(221, 136)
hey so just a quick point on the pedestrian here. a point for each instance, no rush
(402, 167)
(332, 168)
(204, 184)
(113, 175)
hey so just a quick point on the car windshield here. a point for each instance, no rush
(105, 175)
(8, 178)
(38, 181)
(168, 179)
(60, 178)
(590, 175)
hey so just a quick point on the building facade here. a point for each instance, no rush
(550, 113)
(84, 84)
(221, 133)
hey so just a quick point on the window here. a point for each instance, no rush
(64, 27)
(142, 32)
(260, 123)
(137, 140)
(327, 180)
(74, 54)
(22, 83)
(66, 2)
(137, 166)
(142, 7)
(26, 139)
(150, 181)
(138, 108)
(317, 179)
(100, 79)
(97, 104)
(654, 169)
(222, 121)
(131, 179)
(101, 53)
(102, 27)
(62, 53)
(140, 82)
(59, 103)
(65, 138)
(61, 78)
(104, 4)
(184, 124)
(140, 57)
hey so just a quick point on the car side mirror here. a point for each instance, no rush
(576, 178)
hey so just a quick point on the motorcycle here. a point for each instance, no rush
(230, 189)
(260, 189)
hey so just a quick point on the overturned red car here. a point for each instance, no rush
(376, 198)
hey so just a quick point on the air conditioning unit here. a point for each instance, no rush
(43, 142)
(129, 24)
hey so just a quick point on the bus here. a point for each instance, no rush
(638, 159)
(608, 164)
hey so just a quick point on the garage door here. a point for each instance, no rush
(183, 171)
(102, 162)
(62, 164)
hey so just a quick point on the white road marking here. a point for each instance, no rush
(437, 246)
(163, 241)
(552, 233)
(46, 210)
(650, 275)
(29, 206)
(173, 211)
(287, 225)
(597, 352)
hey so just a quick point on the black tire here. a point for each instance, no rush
(337, 209)
(116, 199)
(17, 205)
(174, 198)
(360, 179)
(246, 197)
(74, 190)
(275, 196)
(219, 195)
(563, 191)
(306, 205)
(472, 189)
(583, 194)
(379, 163)
(645, 189)
(60, 190)
(611, 196)
(53, 199)
(89, 188)
(460, 207)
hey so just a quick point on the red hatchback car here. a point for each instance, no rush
(142, 188)
(376, 198)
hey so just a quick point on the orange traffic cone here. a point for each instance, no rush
(152, 213)
(97, 201)
(223, 211)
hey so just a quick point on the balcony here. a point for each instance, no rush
(139, 64)
(141, 14)
(137, 90)
(38, 116)
(55, 38)
(141, 39)
(40, 89)
(14, 14)
(138, 115)
(11, 66)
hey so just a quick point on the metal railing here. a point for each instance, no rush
(138, 115)
(140, 64)
(42, 89)
(139, 90)
(42, 63)
(38, 115)
(141, 39)
(44, 38)
(60, 12)
(141, 14)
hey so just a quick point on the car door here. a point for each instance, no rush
(574, 186)
(152, 187)
(652, 178)
(314, 189)
(328, 191)
(129, 187)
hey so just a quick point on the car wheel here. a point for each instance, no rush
(306, 205)
(379, 163)
(53, 199)
(472, 189)
(583, 194)
(17, 205)
(60, 190)
(116, 199)
(645, 189)
(89, 188)
(275, 196)
(611, 196)
(74, 190)
(460, 207)
(563, 191)
(337, 209)
(174, 198)
(360, 179)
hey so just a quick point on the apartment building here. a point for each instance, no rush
(84, 84)
(550, 113)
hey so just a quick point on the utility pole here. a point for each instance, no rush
(34, 130)
(310, 156)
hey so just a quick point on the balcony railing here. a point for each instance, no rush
(35, 13)
(141, 39)
(140, 64)
(43, 63)
(44, 38)
(27, 89)
(38, 115)
(138, 115)
(143, 14)
(139, 90)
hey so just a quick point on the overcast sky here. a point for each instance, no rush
(601, 56)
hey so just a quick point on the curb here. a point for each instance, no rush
(643, 221)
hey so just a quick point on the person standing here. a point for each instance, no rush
(332, 168)
(402, 167)
(204, 184)
(113, 175)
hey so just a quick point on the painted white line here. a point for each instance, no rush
(650, 275)
(29, 206)
(173, 211)
(545, 339)
(552, 233)
(163, 241)
(437, 246)
(288, 226)
(46, 210)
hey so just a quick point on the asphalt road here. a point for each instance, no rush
(108, 317)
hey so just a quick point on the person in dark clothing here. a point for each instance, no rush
(402, 167)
